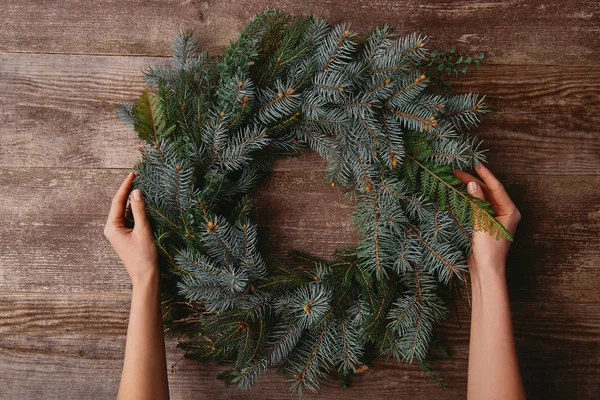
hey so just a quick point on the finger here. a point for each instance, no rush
(489, 195)
(475, 189)
(497, 194)
(139, 211)
(117, 208)
(465, 177)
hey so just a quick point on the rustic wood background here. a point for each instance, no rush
(65, 65)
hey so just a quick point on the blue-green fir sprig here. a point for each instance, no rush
(370, 106)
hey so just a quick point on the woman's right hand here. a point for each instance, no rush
(487, 251)
(134, 246)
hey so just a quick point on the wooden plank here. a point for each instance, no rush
(52, 237)
(59, 111)
(46, 340)
(51, 224)
(62, 112)
(512, 31)
(91, 27)
(541, 120)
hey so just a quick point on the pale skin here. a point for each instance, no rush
(493, 366)
(145, 367)
(493, 371)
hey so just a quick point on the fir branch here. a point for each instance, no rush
(481, 216)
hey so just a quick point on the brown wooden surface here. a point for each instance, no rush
(65, 65)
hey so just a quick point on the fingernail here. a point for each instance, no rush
(137, 194)
(472, 187)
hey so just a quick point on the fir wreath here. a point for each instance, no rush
(214, 125)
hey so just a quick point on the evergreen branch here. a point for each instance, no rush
(164, 217)
(453, 269)
(334, 308)
(280, 96)
(424, 121)
(462, 227)
(378, 313)
(376, 226)
(366, 282)
(418, 301)
(182, 105)
(277, 350)
(311, 358)
(171, 260)
(480, 217)
(405, 89)
(283, 123)
(145, 122)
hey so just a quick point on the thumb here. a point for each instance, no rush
(138, 210)
(475, 189)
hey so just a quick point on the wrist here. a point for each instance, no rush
(484, 275)
(149, 279)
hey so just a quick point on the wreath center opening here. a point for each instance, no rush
(296, 209)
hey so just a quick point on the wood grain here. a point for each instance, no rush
(554, 255)
(64, 295)
(51, 236)
(51, 223)
(514, 31)
(46, 341)
(59, 111)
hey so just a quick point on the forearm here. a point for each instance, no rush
(145, 370)
(493, 366)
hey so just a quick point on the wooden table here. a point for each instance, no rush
(65, 65)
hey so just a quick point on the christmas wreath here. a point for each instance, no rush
(376, 108)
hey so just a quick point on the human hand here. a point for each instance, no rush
(134, 246)
(487, 252)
